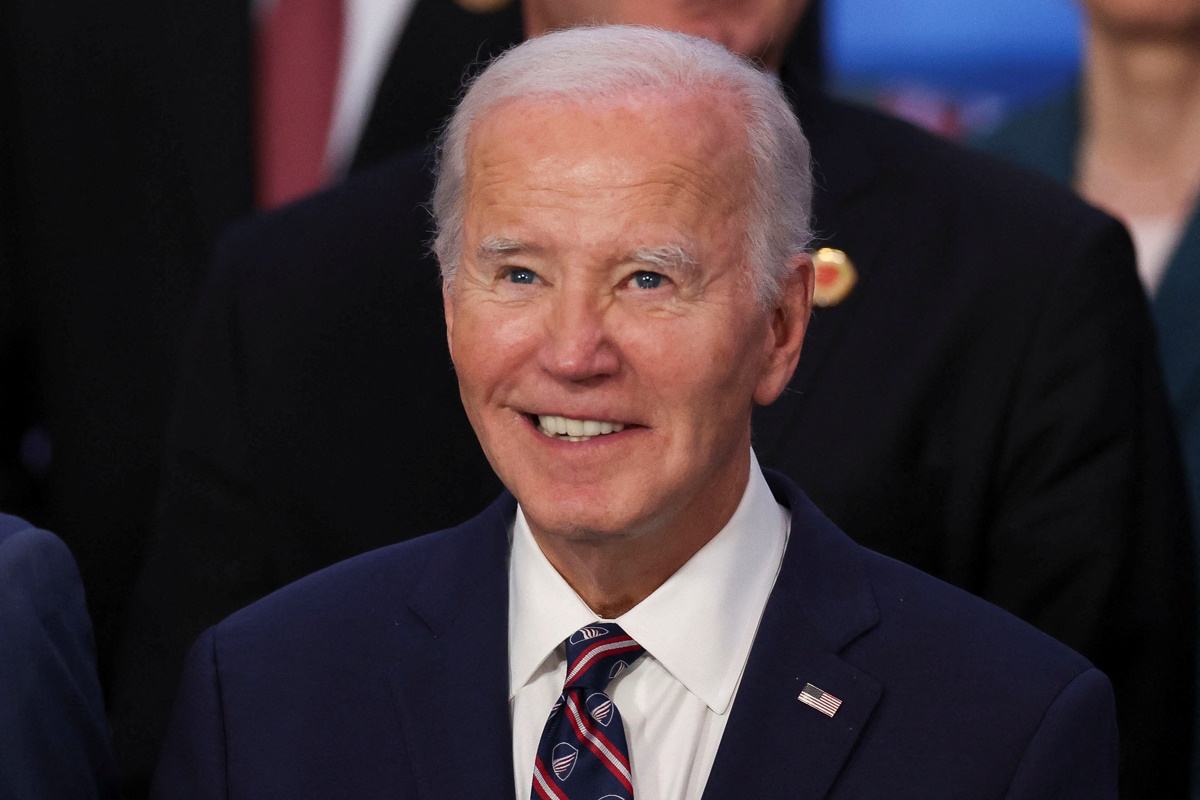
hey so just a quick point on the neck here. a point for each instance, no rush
(612, 573)
(1141, 112)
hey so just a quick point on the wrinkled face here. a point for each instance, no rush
(607, 342)
(1146, 17)
(756, 28)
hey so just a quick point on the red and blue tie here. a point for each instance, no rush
(583, 754)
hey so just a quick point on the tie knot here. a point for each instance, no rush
(597, 654)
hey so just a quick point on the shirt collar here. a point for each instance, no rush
(700, 624)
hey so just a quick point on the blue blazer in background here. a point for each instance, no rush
(54, 739)
(387, 676)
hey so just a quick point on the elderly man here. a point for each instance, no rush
(979, 398)
(622, 223)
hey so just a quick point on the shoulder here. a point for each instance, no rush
(53, 735)
(362, 199)
(378, 216)
(855, 145)
(892, 616)
(960, 676)
(906, 628)
(969, 638)
(956, 229)
(35, 566)
(330, 272)
(356, 600)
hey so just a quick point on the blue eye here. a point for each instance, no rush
(519, 275)
(647, 280)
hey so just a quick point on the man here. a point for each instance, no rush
(981, 402)
(622, 223)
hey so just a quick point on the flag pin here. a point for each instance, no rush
(835, 277)
(824, 702)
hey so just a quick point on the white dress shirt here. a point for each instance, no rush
(1154, 242)
(697, 629)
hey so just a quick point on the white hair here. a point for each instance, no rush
(608, 62)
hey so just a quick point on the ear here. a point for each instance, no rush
(448, 309)
(789, 320)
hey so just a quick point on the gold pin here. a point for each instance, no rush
(483, 6)
(835, 278)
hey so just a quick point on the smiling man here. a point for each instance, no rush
(622, 229)
(607, 340)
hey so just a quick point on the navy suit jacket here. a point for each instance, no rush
(386, 676)
(53, 733)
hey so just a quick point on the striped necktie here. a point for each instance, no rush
(583, 753)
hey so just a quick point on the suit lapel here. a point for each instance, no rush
(774, 745)
(452, 691)
(1178, 322)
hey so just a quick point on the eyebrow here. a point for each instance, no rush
(664, 257)
(659, 257)
(495, 248)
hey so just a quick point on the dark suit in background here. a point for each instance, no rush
(1045, 138)
(387, 677)
(53, 734)
(985, 404)
(127, 142)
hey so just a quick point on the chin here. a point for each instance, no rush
(585, 514)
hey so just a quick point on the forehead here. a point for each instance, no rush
(677, 151)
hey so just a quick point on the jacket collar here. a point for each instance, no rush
(822, 601)
(453, 690)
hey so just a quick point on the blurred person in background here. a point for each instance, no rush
(965, 404)
(1127, 138)
(132, 134)
(54, 740)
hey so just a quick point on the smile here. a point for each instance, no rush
(575, 430)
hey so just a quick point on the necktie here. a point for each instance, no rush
(298, 56)
(583, 754)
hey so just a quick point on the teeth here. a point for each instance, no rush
(576, 430)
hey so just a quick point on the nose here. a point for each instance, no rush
(576, 345)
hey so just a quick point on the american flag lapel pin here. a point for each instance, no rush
(824, 702)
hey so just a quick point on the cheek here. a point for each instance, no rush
(487, 347)
(707, 369)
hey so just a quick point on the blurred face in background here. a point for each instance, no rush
(759, 29)
(1149, 18)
